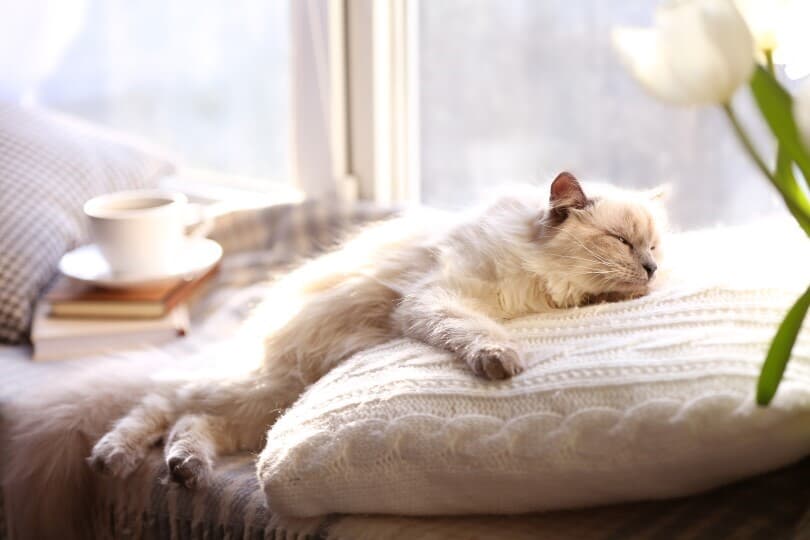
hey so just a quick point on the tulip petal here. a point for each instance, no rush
(731, 35)
(695, 59)
(766, 19)
(699, 52)
(639, 51)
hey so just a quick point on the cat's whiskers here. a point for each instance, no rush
(573, 258)
(599, 268)
(606, 271)
(581, 271)
(583, 246)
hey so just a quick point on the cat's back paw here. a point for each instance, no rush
(495, 362)
(113, 457)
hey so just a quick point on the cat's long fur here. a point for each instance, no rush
(447, 282)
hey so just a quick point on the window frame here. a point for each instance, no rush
(373, 99)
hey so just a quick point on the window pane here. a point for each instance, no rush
(207, 78)
(517, 90)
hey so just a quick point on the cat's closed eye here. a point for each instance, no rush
(622, 239)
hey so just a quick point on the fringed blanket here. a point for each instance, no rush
(261, 243)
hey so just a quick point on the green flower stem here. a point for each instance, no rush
(782, 179)
(792, 194)
(769, 61)
(768, 95)
(786, 174)
(746, 142)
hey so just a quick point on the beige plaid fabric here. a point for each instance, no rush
(772, 506)
(258, 245)
(49, 166)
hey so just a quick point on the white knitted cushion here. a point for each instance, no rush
(649, 398)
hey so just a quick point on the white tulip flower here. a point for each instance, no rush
(793, 41)
(780, 26)
(698, 53)
(801, 113)
(766, 20)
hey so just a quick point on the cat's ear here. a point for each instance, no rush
(566, 192)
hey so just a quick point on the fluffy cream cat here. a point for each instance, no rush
(445, 281)
(446, 284)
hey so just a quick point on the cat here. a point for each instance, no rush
(446, 284)
(448, 281)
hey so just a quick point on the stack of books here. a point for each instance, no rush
(76, 319)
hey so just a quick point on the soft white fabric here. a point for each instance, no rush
(649, 398)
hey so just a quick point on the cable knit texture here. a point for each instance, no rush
(649, 398)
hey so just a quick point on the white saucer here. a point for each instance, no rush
(88, 265)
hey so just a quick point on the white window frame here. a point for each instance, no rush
(383, 111)
(355, 98)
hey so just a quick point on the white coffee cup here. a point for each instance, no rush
(141, 232)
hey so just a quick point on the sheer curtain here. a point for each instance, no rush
(517, 90)
(34, 36)
(209, 79)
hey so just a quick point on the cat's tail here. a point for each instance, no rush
(48, 488)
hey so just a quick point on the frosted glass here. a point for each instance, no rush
(517, 90)
(207, 78)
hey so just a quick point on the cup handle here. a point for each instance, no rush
(200, 219)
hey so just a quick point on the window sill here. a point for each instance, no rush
(208, 187)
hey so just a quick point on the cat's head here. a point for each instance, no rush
(605, 243)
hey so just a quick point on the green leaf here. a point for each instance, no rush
(776, 106)
(781, 347)
(791, 192)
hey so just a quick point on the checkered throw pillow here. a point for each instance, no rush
(49, 166)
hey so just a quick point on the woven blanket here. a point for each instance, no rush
(773, 506)
(258, 245)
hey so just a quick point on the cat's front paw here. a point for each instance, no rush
(495, 362)
(189, 470)
(112, 456)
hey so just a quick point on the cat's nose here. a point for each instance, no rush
(650, 268)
